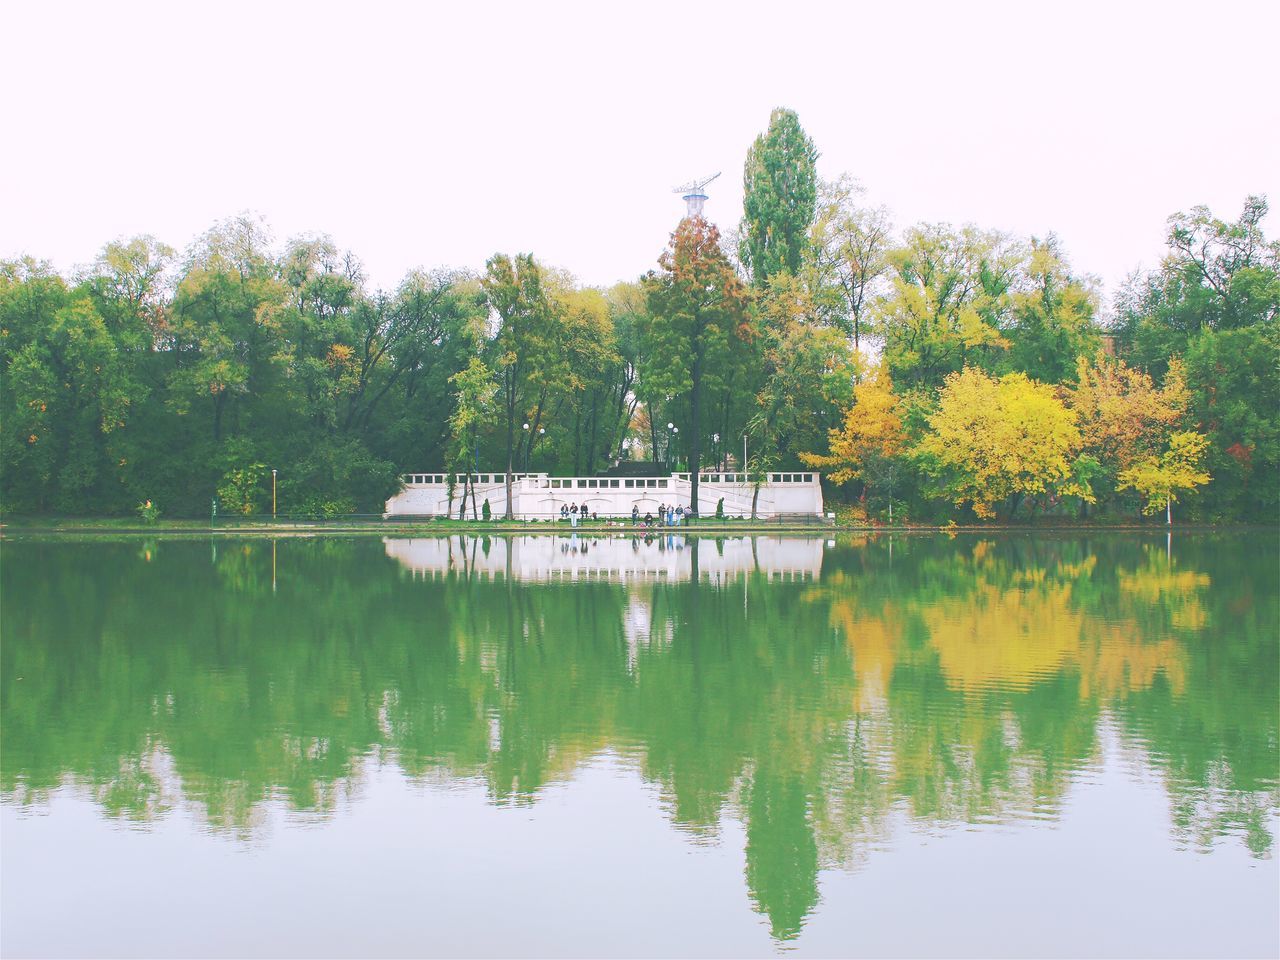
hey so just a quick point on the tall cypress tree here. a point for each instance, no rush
(780, 192)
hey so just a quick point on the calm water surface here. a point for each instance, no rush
(969, 746)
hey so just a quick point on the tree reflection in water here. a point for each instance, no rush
(812, 691)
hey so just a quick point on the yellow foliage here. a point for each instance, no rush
(873, 426)
(976, 649)
(1016, 629)
(1121, 413)
(873, 640)
(1178, 468)
(991, 439)
(340, 355)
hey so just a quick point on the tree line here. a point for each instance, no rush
(933, 372)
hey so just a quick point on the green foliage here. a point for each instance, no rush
(318, 507)
(849, 246)
(947, 304)
(154, 376)
(696, 320)
(1234, 382)
(1218, 275)
(1052, 320)
(780, 190)
(807, 367)
(148, 512)
(241, 489)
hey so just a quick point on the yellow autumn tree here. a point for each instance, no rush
(1122, 415)
(995, 440)
(1159, 479)
(872, 429)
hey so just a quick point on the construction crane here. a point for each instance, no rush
(693, 194)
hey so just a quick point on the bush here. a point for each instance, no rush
(241, 489)
(323, 508)
(720, 509)
(850, 514)
(149, 512)
(486, 512)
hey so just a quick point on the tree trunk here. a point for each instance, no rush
(511, 422)
(595, 423)
(653, 437)
(219, 402)
(577, 443)
(695, 440)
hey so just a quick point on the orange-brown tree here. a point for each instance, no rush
(697, 306)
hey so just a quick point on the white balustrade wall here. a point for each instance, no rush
(540, 497)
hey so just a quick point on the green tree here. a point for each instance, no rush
(947, 302)
(850, 246)
(1233, 378)
(527, 351)
(809, 368)
(1051, 320)
(628, 307)
(68, 392)
(223, 352)
(476, 389)
(1217, 275)
(780, 189)
(440, 317)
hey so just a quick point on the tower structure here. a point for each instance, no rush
(693, 195)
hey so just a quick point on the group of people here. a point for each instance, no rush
(669, 515)
(571, 513)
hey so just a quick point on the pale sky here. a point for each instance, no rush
(437, 134)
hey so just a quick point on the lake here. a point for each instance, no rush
(981, 745)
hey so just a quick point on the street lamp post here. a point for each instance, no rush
(273, 493)
(715, 440)
(528, 443)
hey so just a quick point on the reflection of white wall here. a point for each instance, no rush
(541, 497)
(617, 558)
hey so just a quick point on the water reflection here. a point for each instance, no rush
(815, 691)
(612, 557)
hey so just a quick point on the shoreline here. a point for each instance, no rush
(497, 527)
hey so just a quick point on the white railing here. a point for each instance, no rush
(546, 481)
(481, 479)
(540, 496)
